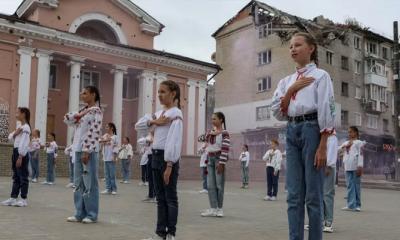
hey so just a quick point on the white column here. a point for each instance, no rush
(42, 91)
(201, 108)
(160, 78)
(118, 72)
(190, 140)
(26, 54)
(74, 84)
(146, 93)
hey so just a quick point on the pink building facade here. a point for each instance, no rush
(51, 49)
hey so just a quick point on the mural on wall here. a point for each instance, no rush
(4, 120)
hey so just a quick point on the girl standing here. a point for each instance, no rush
(310, 122)
(145, 149)
(51, 150)
(125, 154)
(69, 151)
(87, 123)
(244, 159)
(20, 160)
(148, 142)
(109, 141)
(218, 143)
(203, 162)
(167, 146)
(34, 151)
(273, 158)
(353, 165)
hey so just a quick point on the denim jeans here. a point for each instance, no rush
(204, 177)
(272, 182)
(20, 176)
(245, 173)
(216, 183)
(145, 178)
(86, 193)
(304, 182)
(150, 177)
(50, 168)
(71, 170)
(126, 169)
(353, 190)
(167, 196)
(111, 184)
(329, 196)
(34, 160)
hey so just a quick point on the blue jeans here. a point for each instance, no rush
(329, 196)
(20, 176)
(304, 182)
(272, 182)
(167, 196)
(125, 169)
(86, 194)
(204, 177)
(50, 168)
(35, 164)
(110, 176)
(216, 184)
(71, 170)
(353, 190)
(245, 173)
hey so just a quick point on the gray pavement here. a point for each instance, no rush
(247, 217)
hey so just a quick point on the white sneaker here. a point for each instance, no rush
(203, 191)
(149, 200)
(170, 237)
(45, 183)
(141, 184)
(126, 182)
(357, 209)
(105, 192)
(50, 183)
(212, 212)
(154, 238)
(34, 180)
(70, 185)
(21, 203)
(347, 209)
(273, 199)
(73, 219)
(113, 193)
(146, 183)
(328, 229)
(306, 227)
(220, 212)
(88, 221)
(9, 202)
(267, 198)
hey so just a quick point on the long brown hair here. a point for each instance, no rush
(310, 40)
(174, 87)
(26, 113)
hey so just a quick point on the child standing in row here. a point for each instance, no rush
(218, 144)
(20, 160)
(109, 141)
(148, 142)
(203, 162)
(125, 154)
(244, 159)
(69, 151)
(51, 151)
(34, 151)
(144, 160)
(273, 159)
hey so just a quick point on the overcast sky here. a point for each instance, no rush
(190, 23)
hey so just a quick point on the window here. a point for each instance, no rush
(372, 48)
(358, 93)
(265, 30)
(264, 57)
(263, 113)
(53, 77)
(382, 93)
(357, 66)
(344, 117)
(264, 84)
(89, 78)
(329, 56)
(345, 89)
(385, 125)
(357, 42)
(372, 121)
(130, 88)
(385, 53)
(345, 63)
(357, 119)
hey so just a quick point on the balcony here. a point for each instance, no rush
(373, 78)
(374, 107)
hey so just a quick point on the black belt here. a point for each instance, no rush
(302, 118)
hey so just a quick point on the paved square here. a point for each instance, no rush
(247, 217)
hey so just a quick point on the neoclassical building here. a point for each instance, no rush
(51, 49)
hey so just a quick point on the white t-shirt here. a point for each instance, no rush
(109, 148)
